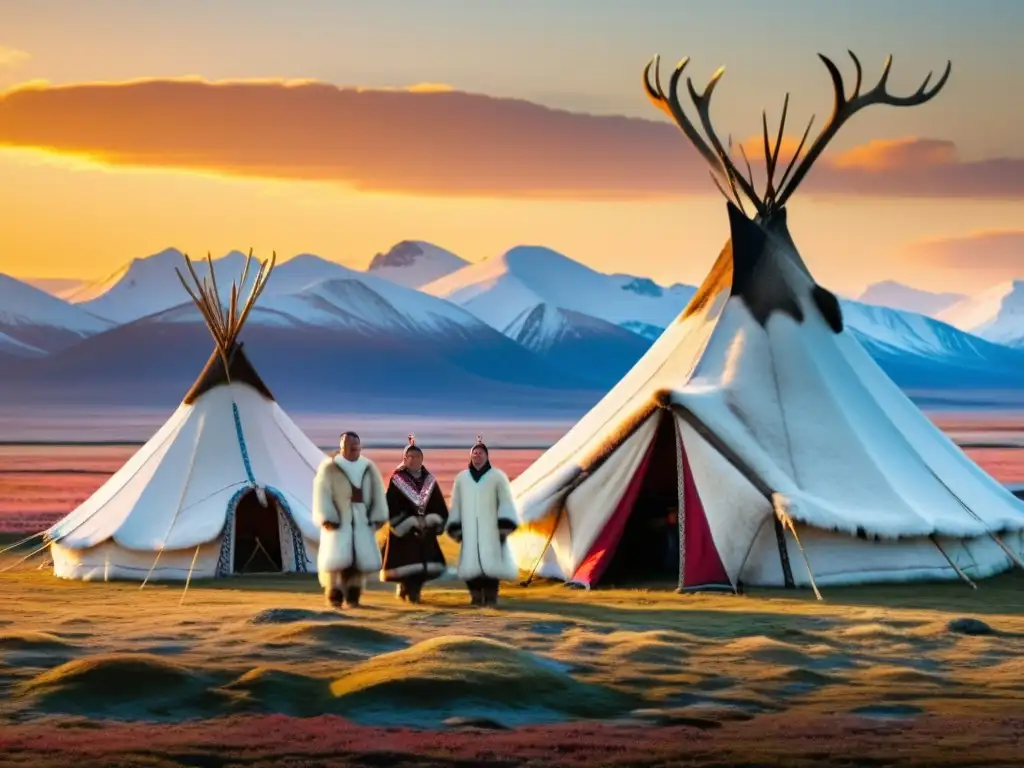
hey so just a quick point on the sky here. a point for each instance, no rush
(340, 128)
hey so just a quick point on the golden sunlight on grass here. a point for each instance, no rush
(926, 675)
(259, 646)
(548, 653)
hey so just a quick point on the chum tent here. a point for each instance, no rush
(223, 487)
(756, 442)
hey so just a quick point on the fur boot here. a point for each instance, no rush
(352, 582)
(489, 594)
(414, 590)
(476, 592)
(335, 597)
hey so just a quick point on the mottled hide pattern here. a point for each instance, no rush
(828, 305)
(760, 264)
(757, 266)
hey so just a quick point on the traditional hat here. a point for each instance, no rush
(412, 446)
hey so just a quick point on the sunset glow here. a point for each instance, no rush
(113, 156)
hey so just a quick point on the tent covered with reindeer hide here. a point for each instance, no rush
(757, 442)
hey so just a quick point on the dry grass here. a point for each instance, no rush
(719, 678)
(257, 671)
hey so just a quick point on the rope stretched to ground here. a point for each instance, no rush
(17, 544)
(29, 556)
(177, 510)
(188, 578)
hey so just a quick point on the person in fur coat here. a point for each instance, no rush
(482, 516)
(412, 555)
(350, 506)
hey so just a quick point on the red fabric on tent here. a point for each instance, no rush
(603, 549)
(702, 565)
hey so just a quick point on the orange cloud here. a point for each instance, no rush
(898, 154)
(754, 147)
(427, 88)
(428, 139)
(999, 254)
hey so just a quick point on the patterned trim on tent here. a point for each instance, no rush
(298, 541)
(224, 564)
(227, 542)
(241, 443)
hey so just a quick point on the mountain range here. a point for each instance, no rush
(995, 314)
(889, 293)
(34, 323)
(423, 330)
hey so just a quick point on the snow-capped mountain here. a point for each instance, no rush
(361, 301)
(351, 300)
(531, 325)
(34, 318)
(318, 348)
(996, 314)
(499, 290)
(519, 292)
(589, 346)
(543, 326)
(912, 332)
(128, 276)
(920, 351)
(149, 284)
(309, 290)
(414, 263)
(889, 293)
(292, 275)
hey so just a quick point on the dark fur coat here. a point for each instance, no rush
(410, 552)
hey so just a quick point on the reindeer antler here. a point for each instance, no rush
(723, 168)
(716, 156)
(844, 108)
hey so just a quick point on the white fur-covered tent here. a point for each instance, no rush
(225, 482)
(795, 459)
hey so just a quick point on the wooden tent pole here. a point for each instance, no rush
(551, 537)
(949, 560)
(810, 573)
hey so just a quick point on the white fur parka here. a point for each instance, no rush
(482, 514)
(354, 542)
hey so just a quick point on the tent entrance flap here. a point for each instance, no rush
(257, 535)
(640, 542)
(700, 565)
